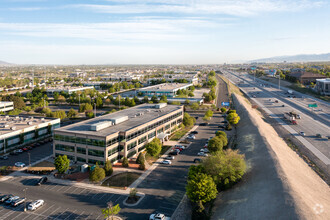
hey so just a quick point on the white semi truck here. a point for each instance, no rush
(291, 118)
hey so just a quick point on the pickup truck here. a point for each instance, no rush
(158, 216)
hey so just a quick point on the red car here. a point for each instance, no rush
(25, 149)
(178, 148)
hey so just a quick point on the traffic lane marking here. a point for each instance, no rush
(61, 213)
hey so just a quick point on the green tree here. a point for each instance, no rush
(99, 102)
(191, 94)
(212, 73)
(215, 144)
(163, 98)
(225, 168)
(108, 168)
(97, 174)
(72, 113)
(209, 113)
(233, 118)
(62, 163)
(140, 158)
(142, 166)
(125, 162)
(145, 99)
(194, 170)
(110, 211)
(201, 188)
(188, 120)
(154, 147)
(154, 99)
(194, 106)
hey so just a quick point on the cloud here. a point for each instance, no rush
(227, 7)
(28, 9)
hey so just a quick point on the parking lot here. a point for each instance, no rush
(36, 153)
(61, 201)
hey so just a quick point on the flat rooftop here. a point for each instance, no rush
(137, 116)
(68, 88)
(3, 103)
(10, 124)
(166, 87)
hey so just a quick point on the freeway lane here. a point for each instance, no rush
(309, 123)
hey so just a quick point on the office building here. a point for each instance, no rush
(6, 106)
(17, 131)
(323, 86)
(167, 89)
(116, 135)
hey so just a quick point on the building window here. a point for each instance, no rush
(113, 151)
(95, 153)
(167, 127)
(64, 148)
(95, 161)
(151, 135)
(80, 159)
(130, 154)
(81, 150)
(159, 130)
(142, 140)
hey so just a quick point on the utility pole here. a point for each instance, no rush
(279, 81)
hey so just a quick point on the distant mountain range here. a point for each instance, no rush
(4, 63)
(295, 58)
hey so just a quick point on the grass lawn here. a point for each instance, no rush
(179, 134)
(151, 159)
(121, 180)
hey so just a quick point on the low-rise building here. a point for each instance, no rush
(17, 131)
(306, 77)
(323, 86)
(176, 78)
(167, 89)
(6, 106)
(120, 77)
(77, 75)
(67, 89)
(116, 135)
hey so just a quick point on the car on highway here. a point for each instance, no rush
(202, 154)
(166, 162)
(11, 199)
(42, 180)
(169, 157)
(19, 164)
(17, 202)
(4, 157)
(302, 133)
(5, 197)
(36, 204)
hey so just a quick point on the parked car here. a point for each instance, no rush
(19, 164)
(276, 101)
(11, 199)
(283, 105)
(174, 152)
(198, 160)
(204, 124)
(205, 150)
(25, 149)
(166, 162)
(302, 133)
(169, 157)
(13, 152)
(202, 154)
(4, 157)
(221, 126)
(319, 135)
(29, 147)
(36, 204)
(191, 136)
(194, 132)
(206, 145)
(179, 146)
(19, 151)
(5, 197)
(42, 180)
(17, 202)
(225, 122)
(158, 216)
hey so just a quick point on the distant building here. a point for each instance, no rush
(307, 77)
(271, 72)
(6, 106)
(114, 136)
(17, 131)
(323, 86)
(167, 89)
(67, 89)
(177, 78)
(120, 77)
(78, 75)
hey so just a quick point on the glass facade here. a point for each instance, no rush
(131, 145)
(64, 148)
(79, 140)
(81, 150)
(95, 153)
(142, 140)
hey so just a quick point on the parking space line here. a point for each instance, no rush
(99, 216)
(71, 214)
(79, 190)
(54, 187)
(61, 213)
(68, 188)
(54, 211)
(82, 191)
(117, 199)
(11, 211)
(75, 189)
(60, 188)
(18, 215)
(95, 195)
(79, 215)
(111, 197)
(103, 195)
(46, 209)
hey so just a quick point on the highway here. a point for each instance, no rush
(312, 123)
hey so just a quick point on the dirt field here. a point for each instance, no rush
(278, 184)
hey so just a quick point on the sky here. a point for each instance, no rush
(160, 31)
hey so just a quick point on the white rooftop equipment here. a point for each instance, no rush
(160, 105)
(101, 125)
(119, 119)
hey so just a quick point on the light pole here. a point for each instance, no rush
(25, 199)
(279, 81)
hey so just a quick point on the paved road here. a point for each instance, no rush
(311, 124)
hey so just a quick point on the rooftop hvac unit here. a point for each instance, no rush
(119, 119)
(160, 105)
(31, 117)
(100, 125)
(42, 119)
(13, 128)
(30, 123)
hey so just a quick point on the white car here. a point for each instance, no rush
(36, 204)
(158, 216)
(169, 157)
(205, 150)
(19, 164)
(166, 162)
(191, 137)
(202, 154)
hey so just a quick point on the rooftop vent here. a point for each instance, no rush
(100, 125)
(13, 128)
(30, 123)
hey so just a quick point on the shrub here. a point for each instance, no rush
(142, 166)
(154, 147)
(125, 162)
(223, 109)
(228, 127)
(201, 188)
(97, 174)
(140, 158)
(62, 163)
(215, 144)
